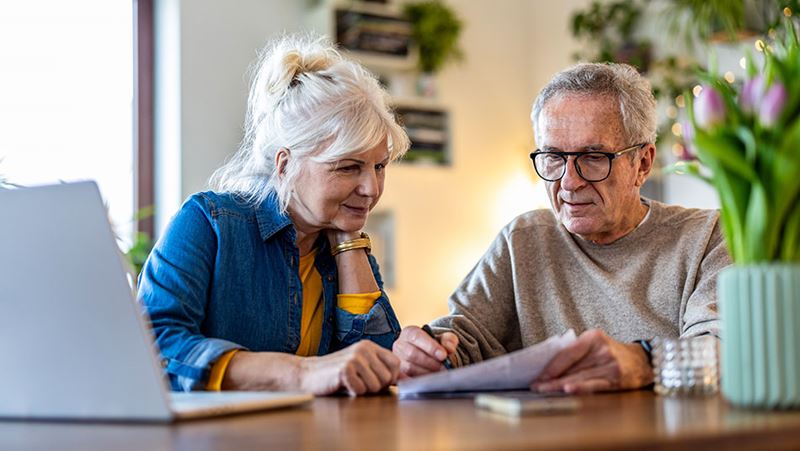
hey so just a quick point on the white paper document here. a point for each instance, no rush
(512, 371)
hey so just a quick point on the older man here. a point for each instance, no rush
(618, 268)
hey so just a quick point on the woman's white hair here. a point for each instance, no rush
(632, 92)
(308, 99)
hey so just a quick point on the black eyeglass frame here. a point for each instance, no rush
(564, 156)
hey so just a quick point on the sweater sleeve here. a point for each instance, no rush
(700, 316)
(482, 308)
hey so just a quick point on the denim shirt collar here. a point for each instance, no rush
(270, 219)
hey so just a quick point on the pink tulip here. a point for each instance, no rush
(772, 104)
(752, 93)
(709, 108)
(687, 153)
(687, 131)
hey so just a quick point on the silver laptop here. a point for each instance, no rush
(73, 344)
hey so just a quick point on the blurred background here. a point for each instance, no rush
(148, 97)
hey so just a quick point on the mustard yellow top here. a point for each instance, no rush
(311, 320)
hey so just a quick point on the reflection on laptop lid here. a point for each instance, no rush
(72, 340)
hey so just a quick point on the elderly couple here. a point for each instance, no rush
(267, 283)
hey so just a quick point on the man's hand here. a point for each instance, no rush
(420, 354)
(595, 362)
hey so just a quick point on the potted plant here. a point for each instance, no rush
(142, 242)
(747, 140)
(435, 30)
(608, 29)
(724, 20)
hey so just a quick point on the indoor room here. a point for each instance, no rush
(406, 224)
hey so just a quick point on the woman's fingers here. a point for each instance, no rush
(391, 362)
(375, 367)
(352, 382)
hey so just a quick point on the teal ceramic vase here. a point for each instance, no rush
(760, 310)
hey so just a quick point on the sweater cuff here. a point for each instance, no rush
(218, 371)
(357, 304)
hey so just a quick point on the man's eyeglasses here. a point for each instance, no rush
(591, 166)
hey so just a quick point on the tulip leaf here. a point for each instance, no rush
(691, 168)
(726, 152)
(752, 155)
(746, 135)
(759, 241)
(790, 238)
(733, 195)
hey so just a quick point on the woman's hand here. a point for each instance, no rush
(338, 236)
(361, 368)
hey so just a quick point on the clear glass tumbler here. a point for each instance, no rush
(686, 366)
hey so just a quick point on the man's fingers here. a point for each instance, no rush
(425, 342)
(411, 370)
(606, 373)
(410, 353)
(593, 359)
(588, 386)
(565, 359)
(450, 342)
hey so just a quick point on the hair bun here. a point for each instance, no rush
(292, 57)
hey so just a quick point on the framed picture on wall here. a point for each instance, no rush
(429, 130)
(373, 29)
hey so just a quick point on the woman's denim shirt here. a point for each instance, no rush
(225, 276)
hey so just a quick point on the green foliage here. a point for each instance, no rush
(704, 20)
(607, 29)
(608, 32)
(755, 168)
(142, 242)
(435, 29)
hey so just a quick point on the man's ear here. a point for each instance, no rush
(646, 159)
(281, 160)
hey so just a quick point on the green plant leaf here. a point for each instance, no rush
(746, 135)
(691, 168)
(725, 151)
(760, 242)
(733, 195)
(790, 237)
(435, 29)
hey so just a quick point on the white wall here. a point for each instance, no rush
(202, 84)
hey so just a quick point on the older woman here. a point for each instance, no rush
(266, 283)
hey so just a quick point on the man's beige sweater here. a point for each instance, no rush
(537, 280)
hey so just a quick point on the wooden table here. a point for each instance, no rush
(633, 420)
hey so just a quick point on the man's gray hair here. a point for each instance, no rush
(633, 94)
(307, 98)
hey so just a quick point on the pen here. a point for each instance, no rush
(446, 362)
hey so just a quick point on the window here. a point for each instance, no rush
(66, 86)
